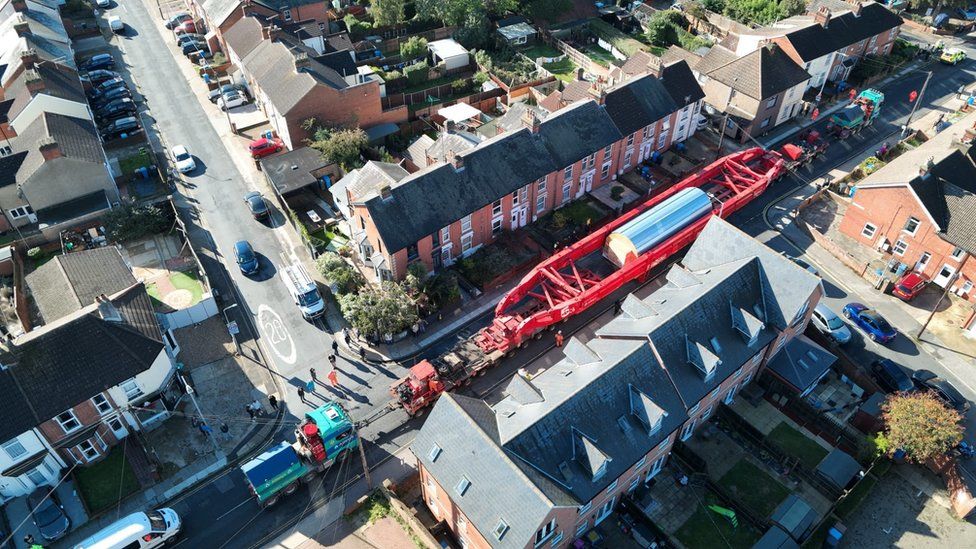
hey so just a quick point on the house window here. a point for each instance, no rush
(462, 486)
(686, 432)
(466, 242)
(966, 287)
(605, 171)
(101, 404)
(500, 529)
(540, 203)
(694, 409)
(757, 358)
(630, 140)
(957, 254)
(640, 463)
(771, 102)
(730, 395)
(496, 226)
(496, 207)
(900, 247)
(21, 211)
(706, 413)
(589, 162)
(582, 510)
(446, 234)
(545, 532)
(461, 523)
(434, 453)
(5, 151)
(764, 123)
(132, 390)
(14, 449)
(91, 450)
(582, 528)
(568, 173)
(645, 132)
(627, 158)
(664, 443)
(466, 224)
(36, 477)
(566, 187)
(68, 421)
(412, 253)
(612, 486)
(607, 152)
(540, 186)
(556, 540)
(868, 230)
(911, 225)
(715, 392)
(286, 14)
(747, 379)
(662, 139)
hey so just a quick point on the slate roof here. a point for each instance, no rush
(760, 74)
(681, 83)
(364, 183)
(838, 468)
(638, 103)
(81, 151)
(801, 363)
(244, 35)
(417, 151)
(59, 81)
(814, 41)
(72, 281)
(339, 61)
(577, 131)
(292, 171)
(497, 167)
(511, 120)
(272, 66)
(62, 364)
(573, 91)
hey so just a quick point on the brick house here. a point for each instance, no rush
(94, 369)
(568, 443)
(219, 16)
(518, 175)
(759, 90)
(293, 82)
(919, 210)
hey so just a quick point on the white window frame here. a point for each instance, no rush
(286, 15)
(605, 170)
(900, 247)
(771, 102)
(568, 173)
(74, 419)
(747, 379)
(12, 443)
(664, 443)
(435, 452)
(446, 235)
(467, 239)
(640, 463)
(541, 186)
(20, 211)
(958, 254)
(567, 192)
(689, 429)
(461, 523)
(730, 396)
(36, 470)
(912, 219)
(496, 208)
(630, 139)
(99, 401)
(466, 224)
(496, 226)
(869, 230)
(462, 486)
(500, 529)
(607, 152)
(582, 527)
(540, 203)
(612, 486)
(545, 532)
(133, 391)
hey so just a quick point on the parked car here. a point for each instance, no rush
(48, 514)
(109, 96)
(216, 94)
(187, 27)
(890, 376)
(192, 46)
(230, 100)
(100, 61)
(107, 85)
(928, 380)
(184, 38)
(829, 324)
(117, 128)
(103, 3)
(701, 122)
(953, 56)
(257, 205)
(247, 260)
(264, 147)
(183, 159)
(808, 267)
(115, 23)
(178, 19)
(910, 286)
(98, 76)
(115, 110)
(870, 321)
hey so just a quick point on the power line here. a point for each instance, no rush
(46, 496)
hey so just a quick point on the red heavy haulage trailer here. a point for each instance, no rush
(584, 273)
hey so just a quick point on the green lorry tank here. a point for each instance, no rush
(324, 436)
(860, 113)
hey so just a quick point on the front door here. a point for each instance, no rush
(945, 275)
(118, 428)
(923, 262)
(435, 257)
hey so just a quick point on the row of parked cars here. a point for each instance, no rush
(110, 98)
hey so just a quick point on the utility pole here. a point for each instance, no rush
(918, 100)
(190, 391)
(945, 292)
(232, 328)
(721, 135)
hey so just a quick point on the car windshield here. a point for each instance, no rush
(309, 298)
(257, 204)
(834, 323)
(156, 521)
(245, 256)
(182, 156)
(881, 323)
(47, 513)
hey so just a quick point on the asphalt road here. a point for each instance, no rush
(221, 512)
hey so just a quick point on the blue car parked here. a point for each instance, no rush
(870, 321)
(247, 260)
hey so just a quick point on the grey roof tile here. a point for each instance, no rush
(244, 35)
(72, 281)
(801, 363)
(760, 74)
(577, 131)
(638, 103)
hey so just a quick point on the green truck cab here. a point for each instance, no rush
(861, 112)
(324, 436)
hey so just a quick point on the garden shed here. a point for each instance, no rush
(450, 52)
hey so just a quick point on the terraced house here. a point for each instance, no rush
(450, 208)
(568, 444)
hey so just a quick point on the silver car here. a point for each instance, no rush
(829, 324)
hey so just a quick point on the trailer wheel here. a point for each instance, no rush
(271, 501)
(290, 489)
(308, 477)
(537, 335)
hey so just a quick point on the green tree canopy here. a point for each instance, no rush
(387, 13)
(413, 47)
(342, 146)
(377, 312)
(921, 425)
(547, 10)
(128, 222)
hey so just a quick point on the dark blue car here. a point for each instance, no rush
(95, 62)
(870, 321)
(247, 260)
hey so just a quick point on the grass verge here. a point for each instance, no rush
(707, 529)
(105, 483)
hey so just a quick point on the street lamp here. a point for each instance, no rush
(209, 430)
(232, 328)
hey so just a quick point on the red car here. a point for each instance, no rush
(187, 27)
(910, 286)
(264, 147)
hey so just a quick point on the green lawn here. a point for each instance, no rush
(327, 239)
(131, 163)
(598, 54)
(754, 487)
(579, 212)
(564, 69)
(99, 484)
(798, 445)
(180, 280)
(706, 529)
(541, 50)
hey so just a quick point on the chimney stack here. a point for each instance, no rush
(385, 193)
(49, 148)
(598, 92)
(21, 26)
(19, 5)
(302, 61)
(271, 32)
(454, 159)
(28, 58)
(855, 7)
(822, 17)
(654, 66)
(531, 121)
(33, 81)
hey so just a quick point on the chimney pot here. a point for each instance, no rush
(33, 81)
(597, 92)
(385, 193)
(22, 27)
(531, 121)
(822, 17)
(271, 32)
(28, 58)
(301, 61)
(49, 149)
(855, 7)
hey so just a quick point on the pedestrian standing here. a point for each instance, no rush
(301, 393)
(332, 360)
(224, 428)
(249, 410)
(335, 346)
(310, 386)
(205, 429)
(346, 336)
(334, 378)
(273, 401)
(311, 372)
(362, 354)
(559, 338)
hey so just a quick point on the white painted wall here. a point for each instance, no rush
(42, 103)
(790, 104)
(150, 381)
(818, 69)
(11, 487)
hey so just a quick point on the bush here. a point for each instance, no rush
(356, 28)
(616, 192)
(34, 253)
(480, 78)
(413, 48)
(443, 289)
(129, 222)
(337, 272)
(377, 313)
(416, 74)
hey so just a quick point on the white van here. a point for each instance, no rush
(137, 531)
(303, 290)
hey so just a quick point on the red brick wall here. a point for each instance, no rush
(87, 415)
(439, 502)
(888, 209)
(357, 106)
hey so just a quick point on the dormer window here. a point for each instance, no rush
(703, 359)
(462, 486)
(748, 325)
(593, 460)
(647, 412)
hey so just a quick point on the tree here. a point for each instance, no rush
(337, 272)
(387, 13)
(342, 146)
(548, 10)
(789, 8)
(921, 425)
(661, 32)
(413, 47)
(377, 313)
(130, 222)
(473, 32)
(716, 6)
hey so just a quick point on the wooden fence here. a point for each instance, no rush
(576, 56)
(393, 100)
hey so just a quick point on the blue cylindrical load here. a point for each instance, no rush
(656, 225)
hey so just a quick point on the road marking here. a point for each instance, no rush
(271, 324)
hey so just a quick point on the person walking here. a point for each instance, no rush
(335, 346)
(249, 410)
(559, 338)
(311, 372)
(332, 360)
(334, 378)
(301, 393)
(362, 354)
(310, 386)
(273, 402)
(347, 337)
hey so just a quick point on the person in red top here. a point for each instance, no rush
(334, 378)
